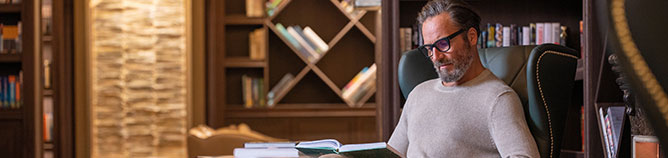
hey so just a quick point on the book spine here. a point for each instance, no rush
(364, 78)
(526, 35)
(547, 32)
(275, 91)
(19, 102)
(303, 44)
(532, 33)
(506, 36)
(352, 81)
(513, 35)
(402, 39)
(498, 37)
(307, 40)
(490, 36)
(287, 36)
(2, 39)
(555, 32)
(2, 92)
(12, 90)
(316, 39)
(540, 33)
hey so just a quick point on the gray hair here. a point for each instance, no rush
(459, 11)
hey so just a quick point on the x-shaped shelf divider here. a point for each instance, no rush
(354, 21)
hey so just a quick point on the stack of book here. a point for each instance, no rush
(277, 149)
(10, 91)
(362, 83)
(10, 39)
(252, 90)
(257, 44)
(306, 41)
(612, 125)
(279, 89)
(254, 8)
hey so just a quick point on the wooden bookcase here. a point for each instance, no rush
(18, 126)
(313, 107)
(403, 13)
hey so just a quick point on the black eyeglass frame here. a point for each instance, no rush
(428, 47)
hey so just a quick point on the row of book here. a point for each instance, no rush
(257, 44)
(10, 91)
(534, 34)
(611, 122)
(10, 39)
(253, 91)
(306, 41)
(360, 85)
(10, 1)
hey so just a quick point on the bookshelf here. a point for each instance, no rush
(312, 106)
(403, 14)
(18, 129)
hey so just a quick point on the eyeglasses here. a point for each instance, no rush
(442, 45)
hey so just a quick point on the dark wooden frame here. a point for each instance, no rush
(63, 86)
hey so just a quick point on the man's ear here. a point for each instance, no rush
(472, 34)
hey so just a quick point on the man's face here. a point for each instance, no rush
(452, 64)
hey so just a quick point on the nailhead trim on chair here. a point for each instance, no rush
(540, 89)
(638, 64)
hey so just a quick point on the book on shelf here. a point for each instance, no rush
(405, 39)
(254, 8)
(10, 38)
(279, 89)
(257, 44)
(315, 38)
(293, 41)
(611, 125)
(506, 36)
(252, 91)
(47, 124)
(302, 42)
(271, 6)
(332, 146)
(309, 42)
(47, 73)
(360, 84)
(10, 92)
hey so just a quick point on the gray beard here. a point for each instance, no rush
(461, 66)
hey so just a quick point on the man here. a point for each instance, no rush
(467, 111)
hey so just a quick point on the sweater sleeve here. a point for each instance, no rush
(509, 129)
(399, 138)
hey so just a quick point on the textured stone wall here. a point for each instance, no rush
(138, 61)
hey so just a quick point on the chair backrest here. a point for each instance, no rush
(543, 77)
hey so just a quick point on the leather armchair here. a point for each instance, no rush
(543, 77)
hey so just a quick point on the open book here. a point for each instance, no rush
(331, 146)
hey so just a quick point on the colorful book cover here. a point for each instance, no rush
(2, 92)
(11, 80)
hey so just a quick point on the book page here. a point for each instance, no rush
(365, 146)
(322, 144)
